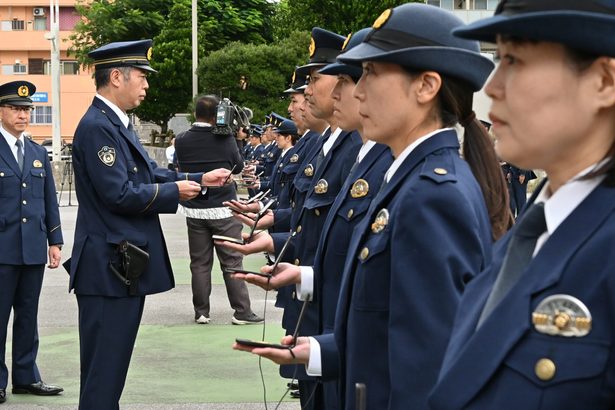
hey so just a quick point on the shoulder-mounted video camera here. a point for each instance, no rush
(231, 117)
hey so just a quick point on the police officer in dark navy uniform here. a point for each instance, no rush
(536, 329)
(121, 191)
(30, 233)
(517, 180)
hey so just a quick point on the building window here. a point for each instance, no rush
(36, 65)
(41, 115)
(480, 4)
(40, 23)
(18, 25)
(445, 4)
(20, 68)
(66, 67)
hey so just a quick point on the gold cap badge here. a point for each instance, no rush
(149, 54)
(312, 47)
(359, 189)
(381, 221)
(23, 91)
(384, 17)
(346, 41)
(292, 81)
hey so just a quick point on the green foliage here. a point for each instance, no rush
(168, 23)
(267, 68)
(338, 16)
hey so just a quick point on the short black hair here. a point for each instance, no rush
(102, 75)
(205, 107)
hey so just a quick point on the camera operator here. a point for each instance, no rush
(200, 148)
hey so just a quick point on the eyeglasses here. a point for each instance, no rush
(20, 108)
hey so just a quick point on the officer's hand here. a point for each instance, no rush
(301, 351)
(188, 190)
(236, 205)
(285, 274)
(55, 254)
(261, 242)
(217, 177)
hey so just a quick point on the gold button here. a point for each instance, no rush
(317, 212)
(350, 213)
(440, 171)
(561, 320)
(24, 202)
(24, 220)
(299, 229)
(297, 261)
(545, 369)
(24, 185)
(364, 253)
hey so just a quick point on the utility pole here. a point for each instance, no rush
(54, 37)
(195, 50)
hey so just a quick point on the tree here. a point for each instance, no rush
(168, 23)
(338, 16)
(266, 70)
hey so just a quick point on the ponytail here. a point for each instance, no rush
(478, 151)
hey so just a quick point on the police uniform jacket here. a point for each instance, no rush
(29, 216)
(120, 192)
(255, 153)
(287, 199)
(404, 276)
(346, 212)
(269, 156)
(507, 363)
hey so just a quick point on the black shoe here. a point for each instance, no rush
(293, 386)
(38, 389)
(2, 395)
(249, 319)
(294, 394)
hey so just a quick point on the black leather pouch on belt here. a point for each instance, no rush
(133, 262)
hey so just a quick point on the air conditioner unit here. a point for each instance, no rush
(38, 11)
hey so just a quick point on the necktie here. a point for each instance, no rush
(19, 145)
(518, 256)
(133, 133)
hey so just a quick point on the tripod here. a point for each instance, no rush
(67, 174)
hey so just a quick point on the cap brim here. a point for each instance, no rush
(361, 52)
(353, 71)
(582, 30)
(292, 91)
(463, 64)
(18, 102)
(145, 68)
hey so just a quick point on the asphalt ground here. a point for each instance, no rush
(176, 364)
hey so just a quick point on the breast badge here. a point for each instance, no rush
(381, 221)
(37, 164)
(294, 158)
(321, 187)
(562, 315)
(309, 170)
(107, 155)
(359, 189)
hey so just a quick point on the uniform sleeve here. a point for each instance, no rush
(329, 356)
(52, 212)
(115, 178)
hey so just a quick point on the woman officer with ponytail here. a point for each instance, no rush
(429, 229)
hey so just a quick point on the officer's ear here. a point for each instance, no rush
(116, 77)
(428, 86)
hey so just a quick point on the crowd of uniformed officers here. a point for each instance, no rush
(382, 206)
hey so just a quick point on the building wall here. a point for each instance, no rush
(28, 47)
